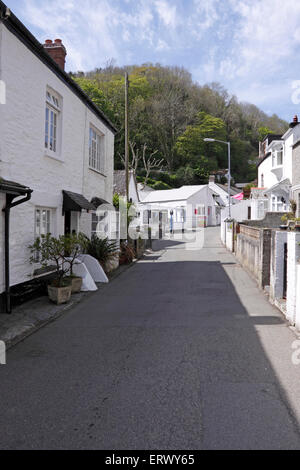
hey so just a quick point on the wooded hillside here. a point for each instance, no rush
(169, 117)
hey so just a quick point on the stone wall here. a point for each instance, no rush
(271, 220)
(253, 250)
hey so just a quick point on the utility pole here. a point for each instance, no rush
(126, 136)
(229, 180)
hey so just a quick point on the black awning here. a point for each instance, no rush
(10, 187)
(97, 201)
(76, 202)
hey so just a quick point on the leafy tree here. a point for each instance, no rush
(190, 145)
(173, 114)
(263, 131)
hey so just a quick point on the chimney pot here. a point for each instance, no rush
(295, 118)
(57, 51)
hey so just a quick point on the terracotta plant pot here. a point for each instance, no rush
(60, 295)
(76, 284)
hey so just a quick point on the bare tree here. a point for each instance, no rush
(150, 163)
(135, 157)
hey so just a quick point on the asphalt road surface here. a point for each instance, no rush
(181, 351)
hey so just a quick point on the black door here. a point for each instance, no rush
(67, 222)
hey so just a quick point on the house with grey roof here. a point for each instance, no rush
(56, 153)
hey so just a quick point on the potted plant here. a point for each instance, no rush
(284, 220)
(104, 250)
(289, 221)
(49, 250)
(127, 253)
(72, 250)
(297, 224)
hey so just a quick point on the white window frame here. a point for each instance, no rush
(277, 205)
(275, 158)
(48, 221)
(96, 150)
(53, 112)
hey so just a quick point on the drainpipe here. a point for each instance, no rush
(6, 210)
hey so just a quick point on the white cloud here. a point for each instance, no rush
(251, 46)
(93, 34)
(167, 13)
(162, 46)
(266, 34)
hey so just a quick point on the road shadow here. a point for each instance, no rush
(165, 357)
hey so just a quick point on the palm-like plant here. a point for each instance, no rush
(102, 249)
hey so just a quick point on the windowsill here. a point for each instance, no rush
(54, 156)
(40, 271)
(277, 167)
(97, 171)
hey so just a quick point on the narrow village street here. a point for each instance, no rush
(180, 352)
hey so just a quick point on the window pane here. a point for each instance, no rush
(37, 223)
(54, 132)
(44, 223)
(48, 222)
(47, 128)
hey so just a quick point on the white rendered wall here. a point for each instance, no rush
(293, 256)
(297, 315)
(22, 151)
(269, 177)
(2, 204)
(277, 265)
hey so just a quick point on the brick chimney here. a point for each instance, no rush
(57, 51)
(295, 121)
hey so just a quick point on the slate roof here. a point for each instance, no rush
(120, 182)
(179, 194)
(76, 202)
(233, 191)
(12, 187)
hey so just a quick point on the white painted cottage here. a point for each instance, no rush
(55, 144)
(278, 172)
(186, 207)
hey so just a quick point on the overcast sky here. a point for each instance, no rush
(249, 46)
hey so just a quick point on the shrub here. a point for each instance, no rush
(102, 249)
(160, 185)
(49, 250)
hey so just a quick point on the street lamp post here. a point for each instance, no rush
(229, 170)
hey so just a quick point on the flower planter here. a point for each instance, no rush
(60, 295)
(284, 227)
(76, 284)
